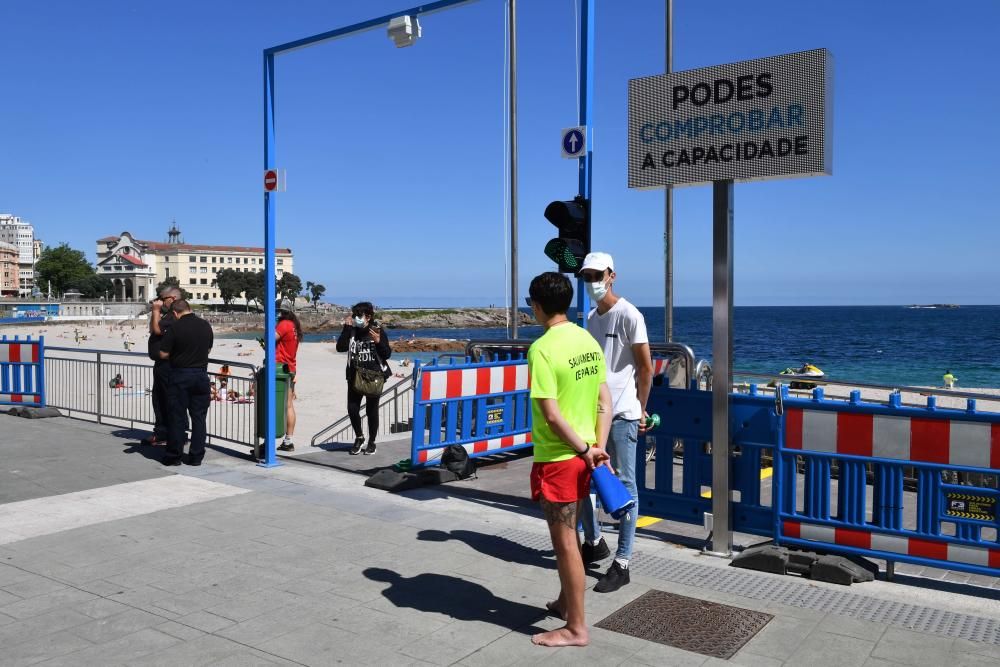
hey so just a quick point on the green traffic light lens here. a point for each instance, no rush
(559, 252)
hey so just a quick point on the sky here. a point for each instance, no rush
(124, 115)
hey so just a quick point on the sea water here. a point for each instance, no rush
(880, 344)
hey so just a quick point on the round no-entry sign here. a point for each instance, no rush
(271, 180)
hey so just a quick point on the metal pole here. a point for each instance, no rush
(100, 401)
(586, 119)
(668, 195)
(270, 214)
(515, 298)
(722, 362)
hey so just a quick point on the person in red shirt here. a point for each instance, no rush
(288, 334)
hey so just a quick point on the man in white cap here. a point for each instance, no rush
(620, 330)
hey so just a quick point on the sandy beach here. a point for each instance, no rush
(321, 392)
(321, 389)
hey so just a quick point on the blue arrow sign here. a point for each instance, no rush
(574, 142)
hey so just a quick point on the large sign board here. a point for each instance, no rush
(746, 121)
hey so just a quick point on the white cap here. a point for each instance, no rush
(598, 261)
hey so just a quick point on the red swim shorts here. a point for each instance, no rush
(562, 481)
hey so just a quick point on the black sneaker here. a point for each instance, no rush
(358, 442)
(188, 460)
(595, 552)
(287, 446)
(616, 577)
(171, 462)
(370, 449)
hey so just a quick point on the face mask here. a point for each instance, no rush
(597, 291)
(359, 322)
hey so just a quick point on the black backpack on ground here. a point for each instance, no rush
(456, 459)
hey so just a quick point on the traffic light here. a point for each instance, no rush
(572, 218)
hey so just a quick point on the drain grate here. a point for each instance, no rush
(687, 623)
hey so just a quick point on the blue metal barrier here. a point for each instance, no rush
(481, 406)
(686, 415)
(837, 450)
(22, 375)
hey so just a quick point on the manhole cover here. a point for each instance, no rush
(687, 623)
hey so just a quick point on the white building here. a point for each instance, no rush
(136, 267)
(21, 234)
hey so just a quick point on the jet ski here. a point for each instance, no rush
(799, 377)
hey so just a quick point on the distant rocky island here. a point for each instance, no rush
(332, 319)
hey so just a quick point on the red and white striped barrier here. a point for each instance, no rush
(22, 376)
(660, 366)
(894, 544)
(481, 447)
(929, 440)
(19, 353)
(444, 383)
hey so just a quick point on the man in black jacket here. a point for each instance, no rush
(187, 344)
(367, 346)
(160, 320)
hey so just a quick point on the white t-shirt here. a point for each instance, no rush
(616, 331)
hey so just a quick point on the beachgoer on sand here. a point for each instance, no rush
(570, 420)
(367, 345)
(288, 334)
(620, 329)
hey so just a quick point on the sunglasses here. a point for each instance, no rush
(591, 276)
(527, 300)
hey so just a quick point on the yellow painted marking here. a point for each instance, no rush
(644, 521)
(764, 474)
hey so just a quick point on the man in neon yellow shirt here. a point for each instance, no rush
(570, 420)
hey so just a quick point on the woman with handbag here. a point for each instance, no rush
(367, 346)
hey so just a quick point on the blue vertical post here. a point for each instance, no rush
(270, 430)
(41, 371)
(586, 118)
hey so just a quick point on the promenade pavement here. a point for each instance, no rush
(108, 558)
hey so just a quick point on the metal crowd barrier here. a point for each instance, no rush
(686, 421)
(115, 387)
(395, 410)
(840, 473)
(482, 406)
(942, 524)
(22, 380)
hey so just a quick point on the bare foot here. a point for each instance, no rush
(561, 637)
(555, 610)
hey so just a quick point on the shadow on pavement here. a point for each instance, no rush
(494, 546)
(454, 597)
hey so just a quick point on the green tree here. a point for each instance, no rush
(64, 267)
(315, 291)
(231, 284)
(95, 286)
(173, 281)
(254, 288)
(289, 286)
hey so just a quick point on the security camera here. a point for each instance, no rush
(404, 30)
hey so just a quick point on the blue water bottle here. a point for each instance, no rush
(615, 498)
